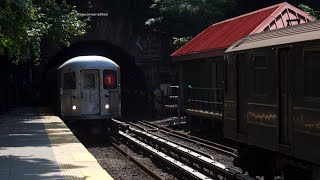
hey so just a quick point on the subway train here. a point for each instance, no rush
(89, 88)
(272, 97)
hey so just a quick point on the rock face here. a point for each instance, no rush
(119, 29)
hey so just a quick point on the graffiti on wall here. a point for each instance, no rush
(149, 46)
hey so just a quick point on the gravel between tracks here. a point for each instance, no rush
(149, 163)
(110, 159)
(116, 164)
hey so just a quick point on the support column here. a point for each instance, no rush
(4, 84)
(4, 79)
(181, 93)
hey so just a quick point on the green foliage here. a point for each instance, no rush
(25, 23)
(179, 42)
(186, 18)
(310, 11)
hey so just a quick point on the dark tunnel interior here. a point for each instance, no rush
(133, 86)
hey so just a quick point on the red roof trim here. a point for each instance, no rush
(251, 13)
(202, 55)
(223, 34)
(278, 11)
(207, 31)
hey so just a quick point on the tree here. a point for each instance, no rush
(24, 24)
(184, 19)
(310, 11)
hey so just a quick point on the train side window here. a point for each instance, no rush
(225, 75)
(312, 73)
(109, 79)
(231, 73)
(69, 80)
(262, 79)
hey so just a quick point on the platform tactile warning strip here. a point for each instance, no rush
(76, 162)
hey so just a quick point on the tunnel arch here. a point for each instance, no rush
(101, 48)
(133, 84)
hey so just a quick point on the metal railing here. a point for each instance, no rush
(172, 95)
(205, 99)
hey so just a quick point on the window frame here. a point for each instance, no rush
(305, 68)
(266, 70)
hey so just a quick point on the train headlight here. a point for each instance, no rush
(107, 106)
(74, 107)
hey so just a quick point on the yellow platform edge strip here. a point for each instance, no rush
(75, 161)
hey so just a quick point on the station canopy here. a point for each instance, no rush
(214, 40)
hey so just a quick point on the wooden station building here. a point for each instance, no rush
(200, 61)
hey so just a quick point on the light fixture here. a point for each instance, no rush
(74, 107)
(107, 106)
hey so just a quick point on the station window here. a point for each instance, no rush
(89, 81)
(109, 79)
(262, 76)
(69, 80)
(312, 73)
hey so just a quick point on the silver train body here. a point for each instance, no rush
(89, 88)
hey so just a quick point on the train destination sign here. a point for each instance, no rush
(109, 79)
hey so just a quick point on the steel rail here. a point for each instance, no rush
(180, 144)
(141, 127)
(208, 144)
(137, 163)
(190, 171)
(204, 162)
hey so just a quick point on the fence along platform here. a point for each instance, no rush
(205, 102)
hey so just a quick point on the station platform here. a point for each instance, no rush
(36, 146)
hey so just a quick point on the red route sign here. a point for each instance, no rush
(109, 80)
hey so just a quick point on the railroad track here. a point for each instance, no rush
(178, 143)
(192, 139)
(190, 162)
(136, 162)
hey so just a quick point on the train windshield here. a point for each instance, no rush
(89, 81)
(109, 79)
(69, 80)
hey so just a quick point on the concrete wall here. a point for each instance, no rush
(150, 49)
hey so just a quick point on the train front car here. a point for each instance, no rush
(89, 89)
